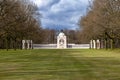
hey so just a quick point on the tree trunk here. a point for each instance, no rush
(15, 45)
(106, 44)
(7, 43)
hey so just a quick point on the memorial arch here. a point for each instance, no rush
(61, 40)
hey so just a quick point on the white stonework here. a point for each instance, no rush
(23, 44)
(98, 44)
(94, 44)
(91, 44)
(27, 44)
(61, 40)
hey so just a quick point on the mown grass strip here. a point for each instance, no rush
(60, 64)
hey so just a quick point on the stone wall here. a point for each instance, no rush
(54, 46)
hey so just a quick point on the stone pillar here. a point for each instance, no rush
(98, 44)
(101, 43)
(28, 44)
(23, 44)
(65, 44)
(58, 41)
(91, 44)
(94, 44)
(31, 47)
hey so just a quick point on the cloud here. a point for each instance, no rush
(61, 14)
(66, 5)
(42, 3)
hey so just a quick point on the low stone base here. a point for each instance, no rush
(54, 46)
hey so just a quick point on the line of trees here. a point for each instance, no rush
(102, 22)
(17, 23)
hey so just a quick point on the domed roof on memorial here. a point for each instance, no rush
(61, 34)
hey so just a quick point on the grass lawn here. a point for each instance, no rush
(46, 64)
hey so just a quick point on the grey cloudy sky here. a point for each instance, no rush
(61, 14)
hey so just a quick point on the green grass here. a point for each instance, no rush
(46, 64)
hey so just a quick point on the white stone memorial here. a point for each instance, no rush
(94, 44)
(27, 44)
(61, 41)
(98, 44)
(91, 44)
(23, 44)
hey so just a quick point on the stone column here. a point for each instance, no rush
(58, 39)
(23, 44)
(28, 44)
(65, 42)
(91, 44)
(31, 44)
(94, 44)
(102, 44)
(98, 44)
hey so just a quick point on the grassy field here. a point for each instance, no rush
(60, 64)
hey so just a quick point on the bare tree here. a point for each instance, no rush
(17, 22)
(102, 21)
